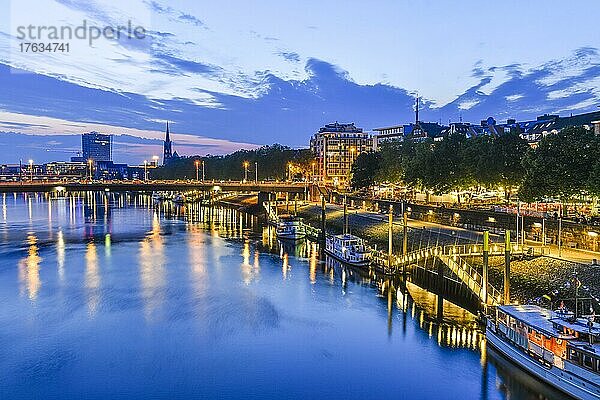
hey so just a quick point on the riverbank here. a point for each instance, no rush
(530, 279)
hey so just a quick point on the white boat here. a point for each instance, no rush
(290, 227)
(553, 346)
(349, 249)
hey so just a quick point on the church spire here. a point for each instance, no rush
(167, 147)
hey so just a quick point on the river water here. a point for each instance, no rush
(104, 296)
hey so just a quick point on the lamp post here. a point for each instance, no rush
(245, 171)
(256, 171)
(313, 170)
(145, 170)
(290, 172)
(593, 235)
(90, 165)
(197, 163)
(202, 170)
(31, 170)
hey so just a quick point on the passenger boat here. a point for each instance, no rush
(290, 227)
(349, 249)
(554, 346)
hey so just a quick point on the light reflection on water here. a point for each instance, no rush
(121, 299)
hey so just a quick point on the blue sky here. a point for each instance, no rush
(236, 74)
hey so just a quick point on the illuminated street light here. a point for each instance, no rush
(90, 165)
(593, 235)
(145, 170)
(197, 165)
(31, 169)
(246, 171)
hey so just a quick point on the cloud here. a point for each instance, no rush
(290, 56)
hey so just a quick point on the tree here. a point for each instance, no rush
(394, 158)
(507, 155)
(365, 168)
(273, 163)
(562, 165)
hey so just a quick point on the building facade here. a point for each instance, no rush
(336, 147)
(96, 146)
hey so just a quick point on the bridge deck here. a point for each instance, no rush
(150, 186)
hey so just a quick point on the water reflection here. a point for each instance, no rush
(92, 278)
(230, 280)
(29, 269)
(152, 269)
(60, 255)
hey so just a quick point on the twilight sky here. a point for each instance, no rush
(235, 74)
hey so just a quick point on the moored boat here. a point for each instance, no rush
(179, 198)
(554, 346)
(349, 249)
(290, 227)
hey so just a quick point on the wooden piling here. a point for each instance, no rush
(507, 267)
(390, 232)
(486, 248)
(323, 216)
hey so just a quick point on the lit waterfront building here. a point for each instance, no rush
(336, 146)
(96, 146)
(67, 169)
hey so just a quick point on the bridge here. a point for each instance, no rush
(160, 186)
(455, 258)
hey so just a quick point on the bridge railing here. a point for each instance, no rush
(472, 278)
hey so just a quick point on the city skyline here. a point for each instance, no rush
(321, 66)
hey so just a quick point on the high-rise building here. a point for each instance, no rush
(96, 146)
(336, 147)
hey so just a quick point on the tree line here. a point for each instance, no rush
(273, 163)
(563, 166)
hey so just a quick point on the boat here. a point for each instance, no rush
(179, 198)
(348, 249)
(290, 227)
(158, 196)
(554, 346)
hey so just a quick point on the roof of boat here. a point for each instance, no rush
(532, 315)
(347, 236)
(543, 319)
(289, 217)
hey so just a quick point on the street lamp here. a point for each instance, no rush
(31, 169)
(245, 171)
(197, 164)
(314, 163)
(256, 171)
(90, 165)
(145, 170)
(593, 235)
(202, 170)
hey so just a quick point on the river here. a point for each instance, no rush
(105, 296)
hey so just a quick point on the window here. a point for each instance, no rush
(575, 356)
(588, 362)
